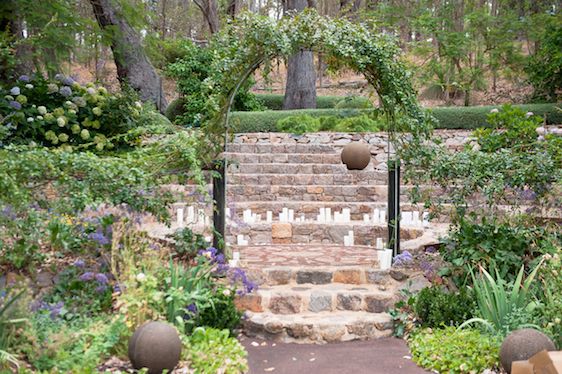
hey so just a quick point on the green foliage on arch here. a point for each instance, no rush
(252, 41)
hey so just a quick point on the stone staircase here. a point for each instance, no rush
(312, 287)
(320, 294)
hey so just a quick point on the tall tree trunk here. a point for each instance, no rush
(163, 25)
(300, 89)
(12, 23)
(232, 8)
(210, 12)
(133, 67)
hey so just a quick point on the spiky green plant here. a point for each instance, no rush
(503, 306)
(6, 322)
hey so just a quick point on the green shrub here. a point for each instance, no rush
(187, 243)
(63, 112)
(551, 306)
(298, 124)
(220, 313)
(544, 66)
(467, 118)
(190, 67)
(435, 307)
(175, 109)
(362, 123)
(490, 243)
(211, 351)
(510, 127)
(354, 102)
(52, 345)
(450, 350)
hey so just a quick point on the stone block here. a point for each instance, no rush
(249, 302)
(314, 277)
(333, 333)
(348, 302)
(299, 330)
(377, 303)
(320, 301)
(314, 189)
(398, 274)
(377, 276)
(285, 304)
(348, 276)
(276, 277)
(281, 230)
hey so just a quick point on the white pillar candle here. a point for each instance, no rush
(269, 216)
(190, 215)
(346, 214)
(239, 239)
(385, 258)
(376, 215)
(416, 218)
(291, 215)
(425, 219)
(382, 217)
(328, 214)
(379, 243)
(407, 218)
(351, 237)
(228, 212)
(180, 217)
(366, 218)
(236, 255)
(346, 241)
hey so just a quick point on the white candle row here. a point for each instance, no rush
(191, 218)
(240, 240)
(413, 219)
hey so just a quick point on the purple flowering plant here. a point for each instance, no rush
(81, 290)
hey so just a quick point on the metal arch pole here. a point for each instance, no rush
(219, 181)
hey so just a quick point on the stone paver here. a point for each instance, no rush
(305, 256)
(382, 356)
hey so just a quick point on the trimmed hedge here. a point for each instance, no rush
(468, 118)
(267, 121)
(275, 101)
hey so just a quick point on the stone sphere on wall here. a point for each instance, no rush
(522, 345)
(356, 156)
(155, 346)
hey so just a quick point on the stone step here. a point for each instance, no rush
(324, 327)
(320, 298)
(291, 169)
(311, 209)
(280, 148)
(276, 158)
(365, 233)
(305, 179)
(316, 192)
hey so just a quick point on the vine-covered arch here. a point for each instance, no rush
(253, 41)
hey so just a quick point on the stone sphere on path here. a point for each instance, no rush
(155, 346)
(522, 345)
(356, 156)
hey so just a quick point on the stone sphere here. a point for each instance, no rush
(155, 346)
(522, 345)
(356, 156)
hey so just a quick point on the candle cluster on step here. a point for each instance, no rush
(349, 239)
(413, 219)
